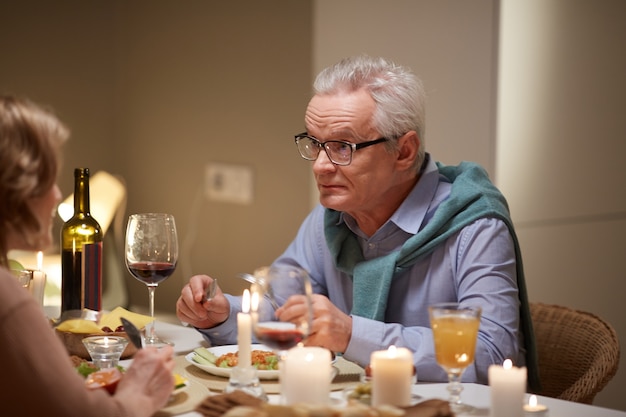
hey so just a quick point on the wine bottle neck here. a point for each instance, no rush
(81, 192)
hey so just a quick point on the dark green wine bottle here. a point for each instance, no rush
(81, 252)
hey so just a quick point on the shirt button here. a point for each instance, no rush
(371, 245)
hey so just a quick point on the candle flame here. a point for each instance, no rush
(508, 364)
(254, 301)
(39, 260)
(309, 357)
(392, 351)
(245, 302)
(532, 401)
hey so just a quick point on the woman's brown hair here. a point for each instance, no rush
(30, 141)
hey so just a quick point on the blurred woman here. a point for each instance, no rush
(39, 375)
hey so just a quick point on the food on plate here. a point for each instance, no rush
(110, 377)
(361, 393)
(179, 381)
(263, 360)
(104, 378)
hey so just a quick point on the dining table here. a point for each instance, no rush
(201, 384)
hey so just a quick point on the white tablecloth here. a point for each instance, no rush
(187, 338)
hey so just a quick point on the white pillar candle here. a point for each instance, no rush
(392, 376)
(534, 409)
(507, 386)
(306, 375)
(244, 332)
(38, 285)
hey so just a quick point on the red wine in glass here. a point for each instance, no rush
(277, 338)
(151, 273)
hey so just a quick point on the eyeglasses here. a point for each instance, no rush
(339, 152)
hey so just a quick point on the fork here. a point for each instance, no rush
(210, 291)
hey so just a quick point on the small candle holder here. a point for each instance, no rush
(534, 409)
(247, 380)
(105, 351)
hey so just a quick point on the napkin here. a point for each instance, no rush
(111, 320)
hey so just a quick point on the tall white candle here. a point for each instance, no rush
(38, 285)
(244, 332)
(392, 376)
(507, 386)
(306, 375)
(39, 260)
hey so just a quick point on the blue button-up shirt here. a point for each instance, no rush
(475, 266)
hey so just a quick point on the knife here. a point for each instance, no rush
(133, 333)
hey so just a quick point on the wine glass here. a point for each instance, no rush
(273, 286)
(455, 329)
(151, 256)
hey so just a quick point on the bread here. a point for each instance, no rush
(240, 404)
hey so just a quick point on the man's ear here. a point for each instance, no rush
(408, 145)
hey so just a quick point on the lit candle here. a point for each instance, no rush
(534, 409)
(39, 261)
(38, 286)
(307, 375)
(244, 330)
(392, 376)
(254, 306)
(507, 385)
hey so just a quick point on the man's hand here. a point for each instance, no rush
(192, 307)
(331, 328)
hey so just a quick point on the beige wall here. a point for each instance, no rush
(561, 144)
(449, 44)
(154, 90)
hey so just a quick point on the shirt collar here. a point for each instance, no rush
(410, 215)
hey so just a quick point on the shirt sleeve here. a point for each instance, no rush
(226, 332)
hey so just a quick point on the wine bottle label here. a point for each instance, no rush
(92, 276)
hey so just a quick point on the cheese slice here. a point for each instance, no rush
(79, 326)
(112, 319)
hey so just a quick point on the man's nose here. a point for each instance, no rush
(322, 162)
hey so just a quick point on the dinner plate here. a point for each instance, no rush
(225, 372)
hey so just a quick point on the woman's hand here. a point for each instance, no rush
(148, 383)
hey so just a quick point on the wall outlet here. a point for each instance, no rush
(229, 183)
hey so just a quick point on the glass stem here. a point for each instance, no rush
(151, 334)
(455, 388)
(282, 369)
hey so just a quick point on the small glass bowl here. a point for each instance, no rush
(105, 351)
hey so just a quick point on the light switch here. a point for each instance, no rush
(229, 183)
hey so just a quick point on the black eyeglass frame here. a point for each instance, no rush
(322, 145)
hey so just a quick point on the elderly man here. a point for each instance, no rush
(394, 233)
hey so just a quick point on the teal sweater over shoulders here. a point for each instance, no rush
(472, 196)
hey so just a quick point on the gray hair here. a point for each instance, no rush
(398, 94)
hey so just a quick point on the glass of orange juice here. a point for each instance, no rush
(455, 329)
